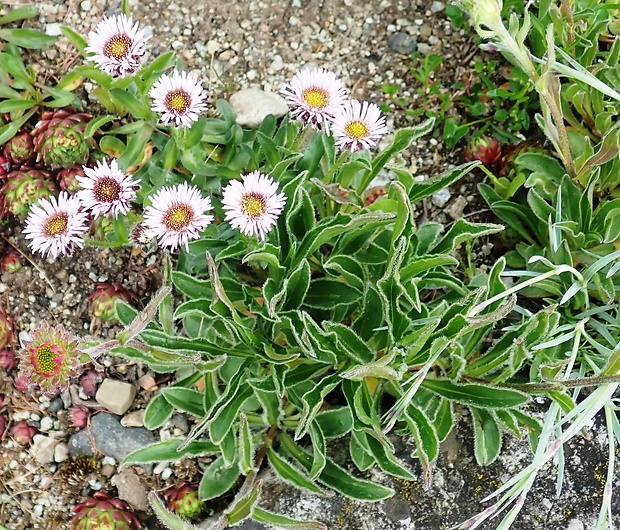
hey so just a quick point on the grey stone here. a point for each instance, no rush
(455, 210)
(111, 438)
(180, 422)
(402, 43)
(436, 7)
(55, 405)
(131, 489)
(116, 396)
(252, 105)
(441, 198)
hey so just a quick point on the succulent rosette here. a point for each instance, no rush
(10, 261)
(5, 166)
(20, 149)
(50, 359)
(100, 512)
(23, 433)
(24, 187)
(59, 138)
(184, 501)
(68, 178)
(486, 150)
(7, 360)
(102, 300)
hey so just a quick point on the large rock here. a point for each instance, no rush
(252, 105)
(111, 438)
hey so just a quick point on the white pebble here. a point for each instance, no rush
(37, 509)
(47, 423)
(166, 473)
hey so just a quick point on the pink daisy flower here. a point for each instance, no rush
(359, 126)
(316, 96)
(106, 189)
(253, 205)
(118, 45)
(176, 215)
(56, 225)
(179, 98)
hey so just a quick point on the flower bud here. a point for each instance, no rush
(487, 150)
(184, 501)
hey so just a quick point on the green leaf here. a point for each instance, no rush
(169, 451)
(136, 108)
(337, 478)
(312, 402)
(462, 231)
(386, 460)
(27, 38)
(335, 422)
(318, 450)
(487, 436)
(95, 124)
(325, 293)
(426, 438)
(280, 521)
(246, 453)
(291, 474)
(243, 505)
(18, 14)
(157, 412)
(426, 188)
(184, 399)
(134, 152)
(476, 395)
(226, 412)
(13, 105)
(75, 38)
(217, 480)
(403, 138)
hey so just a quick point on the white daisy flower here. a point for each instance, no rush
(180, 99)
(316, 96)
(176, 215)
(253, 205)
(107, 190)
(359, 126)
(119, 46)
(56, 225)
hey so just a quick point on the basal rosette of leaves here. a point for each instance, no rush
(282, 345)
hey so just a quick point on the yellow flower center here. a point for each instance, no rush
(107, 189)
(177, 101)
(315, 97)
(179, 217)
(356, 130)
(253, 205)
(56, 225)
(117, 47)
(45, 360)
